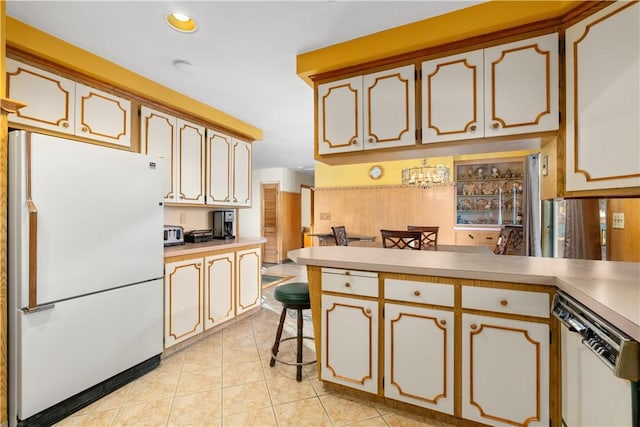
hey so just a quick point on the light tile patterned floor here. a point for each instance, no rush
(225, 380)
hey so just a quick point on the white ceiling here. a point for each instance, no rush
(243, 55)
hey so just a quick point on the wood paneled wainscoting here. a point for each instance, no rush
(367, 210)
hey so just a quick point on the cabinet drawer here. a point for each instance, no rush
(467, 238)
(506, 301)
(420, 292)
(488, 238)
(350, 282)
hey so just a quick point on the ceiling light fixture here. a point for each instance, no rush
(181, 22)
(426, 175)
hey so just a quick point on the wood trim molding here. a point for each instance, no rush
(10, 106)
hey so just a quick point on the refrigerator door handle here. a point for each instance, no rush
(33, 254)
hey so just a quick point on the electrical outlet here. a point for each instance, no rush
(618, 220)
(325, 217)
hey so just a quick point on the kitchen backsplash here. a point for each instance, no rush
(190, 218)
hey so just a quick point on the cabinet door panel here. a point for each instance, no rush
(340, 116)
(452, 101)
(249, 279)
(521, 86)
(158, 135)
(505, 371)
(102, 116)
(389, 108)
(419, 356)
(603, 100)
(183, 300)
(190, 162)
(218, 289)
(50, 98)
(241, 185)
(350, 342)
(219, 149)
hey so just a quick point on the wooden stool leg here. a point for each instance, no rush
(299, 355)
(276, 344)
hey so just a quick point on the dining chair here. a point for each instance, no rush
(340, 234)
(429, 235)
(401, 239)
(503, 242)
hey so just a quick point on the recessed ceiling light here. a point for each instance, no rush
(181, 22)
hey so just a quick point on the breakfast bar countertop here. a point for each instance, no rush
(214, 245)
(609, 288)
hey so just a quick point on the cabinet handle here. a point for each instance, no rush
(85, 129)
(504, 302)
(417, 293)
(347, 273)
(181, 197)
(371, 139)
(368, 311)
(354, 141)
(65, 124)
(489, 238)
(471, 236)
(473, 128)
(347, 285)
(443, 322)
(495, 125)
(473, 326)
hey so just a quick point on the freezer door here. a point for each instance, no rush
(99, 217)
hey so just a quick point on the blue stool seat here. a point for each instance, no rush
(293, 296)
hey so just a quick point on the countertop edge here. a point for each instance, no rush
(215, 245)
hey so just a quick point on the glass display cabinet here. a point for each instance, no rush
(489, 192)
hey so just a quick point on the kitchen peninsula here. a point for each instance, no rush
(476, 328)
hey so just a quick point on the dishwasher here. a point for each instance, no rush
(600, 368)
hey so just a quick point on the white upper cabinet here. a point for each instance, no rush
(179, 147)
(62, 105)
(603, 99)
(367, 112)
(190, 139)
(228, 170)
(521, 86)
(452, 101)
(503, 90)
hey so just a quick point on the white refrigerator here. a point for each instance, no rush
(85, 273)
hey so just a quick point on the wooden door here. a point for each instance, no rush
(270, 223)
(505, 371)
(452, 101)
(350, 342)
(419, 356)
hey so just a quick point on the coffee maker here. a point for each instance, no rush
(223, 225)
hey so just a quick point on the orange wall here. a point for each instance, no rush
(624, 244)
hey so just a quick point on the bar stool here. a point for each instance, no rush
(294, 296)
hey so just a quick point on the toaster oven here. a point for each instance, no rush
(173, 235)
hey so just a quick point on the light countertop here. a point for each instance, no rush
(214, 245)
(611, 289)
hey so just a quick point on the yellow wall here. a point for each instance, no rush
(357, 175)
(42, 45)
(473, 21)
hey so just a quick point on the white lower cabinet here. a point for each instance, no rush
(350, 342)
(219, 286)
(249, 284)
(505, 371)
(182, 300)
(203, 292)
(419, 356)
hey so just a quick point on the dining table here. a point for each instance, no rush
(327, 239)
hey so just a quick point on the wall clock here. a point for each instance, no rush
(375, 172)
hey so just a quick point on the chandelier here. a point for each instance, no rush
(425, 176)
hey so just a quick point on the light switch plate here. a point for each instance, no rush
(618, 220)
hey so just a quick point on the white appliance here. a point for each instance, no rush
(85, 273)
